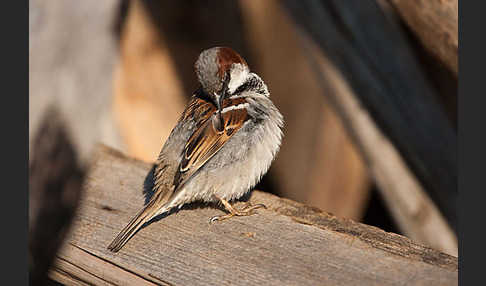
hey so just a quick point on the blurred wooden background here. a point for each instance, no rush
(317, 163)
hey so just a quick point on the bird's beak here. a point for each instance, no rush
(220, 100)
(219, 104)
(224, 90)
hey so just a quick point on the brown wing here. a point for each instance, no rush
(206, 141)
(198, 109)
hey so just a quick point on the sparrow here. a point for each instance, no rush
(223, 143)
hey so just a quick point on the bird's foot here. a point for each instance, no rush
(248, 209)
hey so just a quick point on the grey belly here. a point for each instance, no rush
(237, 166)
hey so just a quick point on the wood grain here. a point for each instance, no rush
(287, 244)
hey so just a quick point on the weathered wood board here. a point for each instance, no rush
(287, 244)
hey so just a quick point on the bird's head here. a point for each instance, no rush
(220, 70)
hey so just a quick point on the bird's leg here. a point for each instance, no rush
(246, 210)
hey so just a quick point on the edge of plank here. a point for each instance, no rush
(389, 242)
(76, 264)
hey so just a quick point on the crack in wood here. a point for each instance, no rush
(378, 238)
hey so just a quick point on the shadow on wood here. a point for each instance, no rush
(55, 178)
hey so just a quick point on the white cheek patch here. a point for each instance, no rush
(239, 74)
(233, 107)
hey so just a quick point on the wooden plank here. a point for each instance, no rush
(80, 266)
(55, 185)
(72, 53)
(436, 25)
(328, 173)
(411, 207)
(289, 243)
(377, 61)
(152, 87)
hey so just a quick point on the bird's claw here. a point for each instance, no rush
(246, 211)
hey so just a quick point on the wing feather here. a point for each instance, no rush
(206, 141)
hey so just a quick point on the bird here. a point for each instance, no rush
(223, 143)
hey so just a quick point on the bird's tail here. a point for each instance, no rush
(148, 212)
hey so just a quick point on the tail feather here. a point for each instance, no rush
(147, 213)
